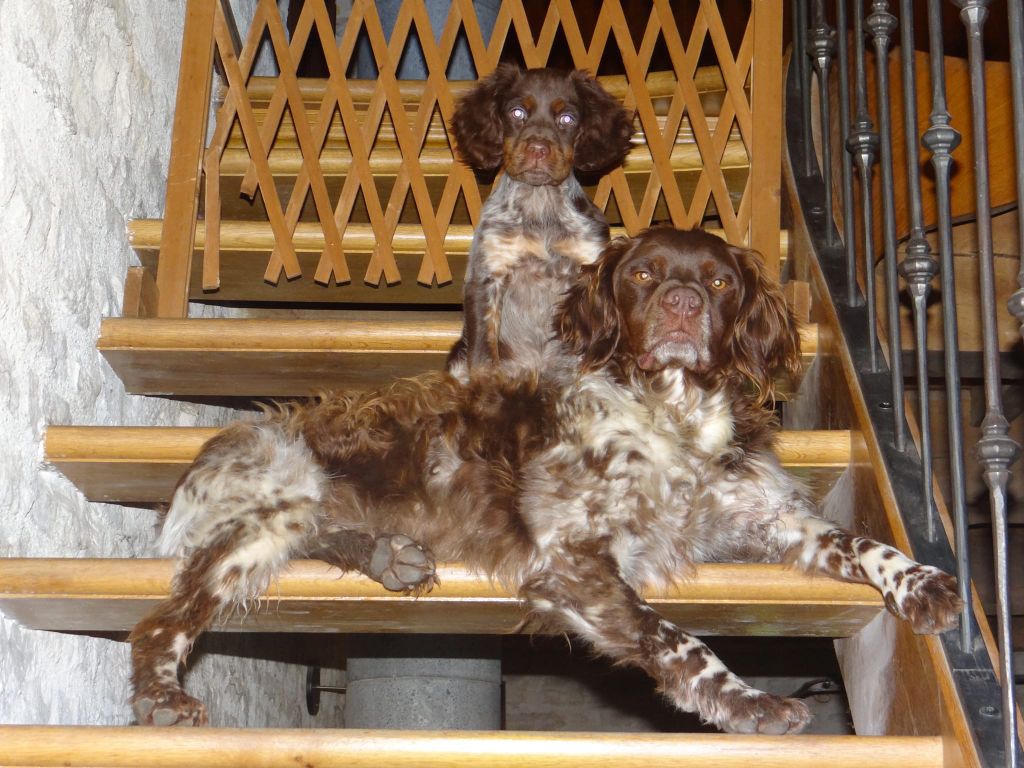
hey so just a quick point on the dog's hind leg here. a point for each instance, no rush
(228, 573)
(250, 501)
(582, 592)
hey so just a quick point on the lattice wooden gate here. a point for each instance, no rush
(342, 171)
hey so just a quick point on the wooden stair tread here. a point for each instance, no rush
(144, 237)
(280, 358)
(118, 747)
(143, 464)
(311, 596)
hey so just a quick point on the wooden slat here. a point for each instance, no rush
(311, 596)
(143, 464)
(191, 113)
(112, 747)
(660, 84)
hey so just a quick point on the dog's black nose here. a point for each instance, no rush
(682, 301)
(538, 149)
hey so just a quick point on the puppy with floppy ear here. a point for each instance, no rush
(537, 227)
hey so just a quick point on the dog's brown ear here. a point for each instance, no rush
(587, 319)
(477, 126)
(605, 127)
(765, 338)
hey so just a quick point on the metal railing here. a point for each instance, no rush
(866, 141)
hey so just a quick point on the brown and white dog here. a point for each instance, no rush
(538, 226)
(647, 452)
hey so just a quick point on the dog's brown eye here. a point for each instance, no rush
(566, 120)
(641, 275)
(517, 113)
(718, 283)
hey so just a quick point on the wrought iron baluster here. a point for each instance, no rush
(849, 236)
(996, 450)
(1016, 19)
(919, 266)
(799, 11)
(821, 47)
(882, 23)
(941, 139)
(863, 148)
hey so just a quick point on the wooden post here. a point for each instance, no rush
(766, 148)
(188, 136)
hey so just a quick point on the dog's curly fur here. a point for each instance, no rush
(645, 452)
(540, 126)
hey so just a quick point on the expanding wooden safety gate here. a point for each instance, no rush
(354, 182)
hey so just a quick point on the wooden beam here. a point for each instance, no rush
(311, 596)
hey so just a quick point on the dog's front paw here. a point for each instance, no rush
(168, 706)
(400, 564)
(926, 597)
(752, 711)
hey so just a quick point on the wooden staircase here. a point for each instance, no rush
(293, 337)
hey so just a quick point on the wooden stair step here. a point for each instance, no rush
(279, 358)
(143, 464)
(257, 236)
(245, 249)
(109, 595)
(113, 747)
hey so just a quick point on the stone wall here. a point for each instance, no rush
(88, 94)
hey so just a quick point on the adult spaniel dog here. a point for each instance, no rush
(541, 126)
(647, 451)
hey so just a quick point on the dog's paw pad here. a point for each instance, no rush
(759, 712)
(926, 597)
(400, 564)
(168, 707)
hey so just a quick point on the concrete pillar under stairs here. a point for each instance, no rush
(424, 682)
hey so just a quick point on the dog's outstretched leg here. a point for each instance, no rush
(922, 594)
(582, 592)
